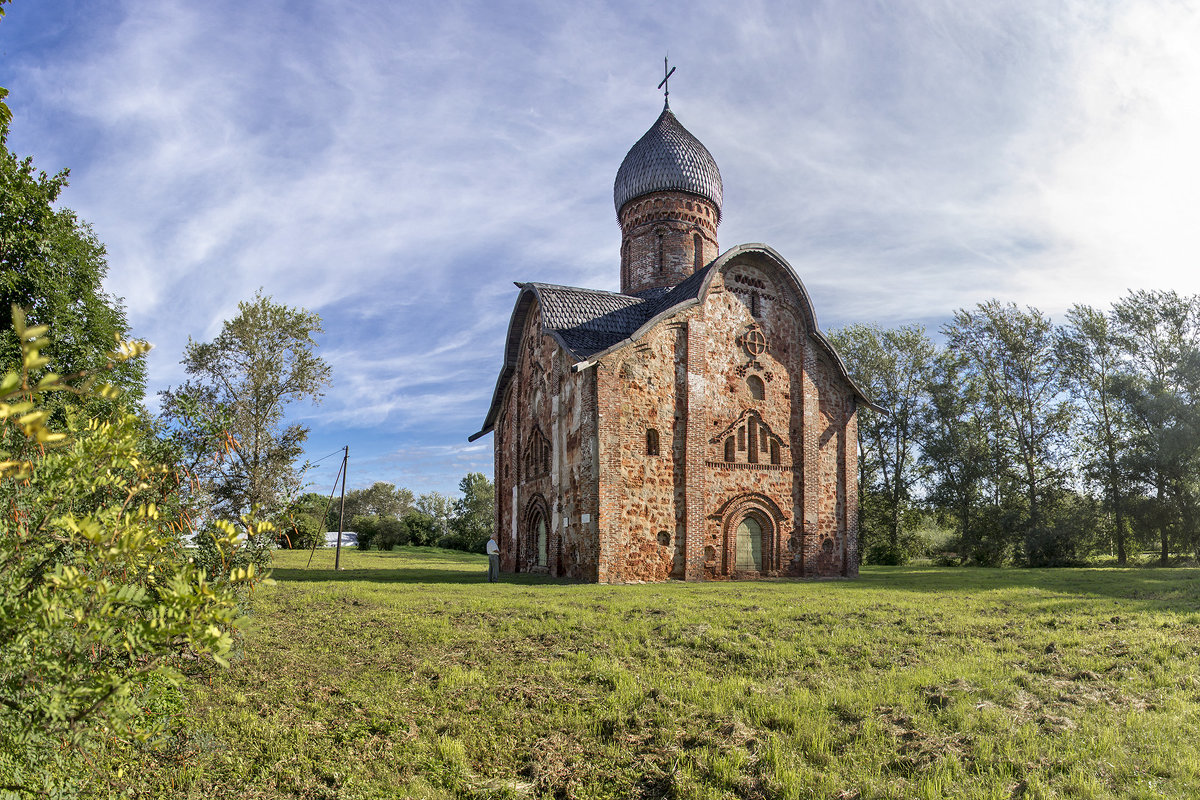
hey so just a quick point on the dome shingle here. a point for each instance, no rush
(667, 158)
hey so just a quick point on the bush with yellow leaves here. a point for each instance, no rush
(99, 602)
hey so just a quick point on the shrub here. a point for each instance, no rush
(367, 528)
(422, 528)
(391, 532)
(97, 600)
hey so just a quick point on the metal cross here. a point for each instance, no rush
(666, 89)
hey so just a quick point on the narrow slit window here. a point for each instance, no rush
(774, 452)
(730, 450)
(697, 252)
(662, 252)
(651, 442)
(742, 438)
(755, 305)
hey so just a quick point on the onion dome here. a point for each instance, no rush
(668, 158)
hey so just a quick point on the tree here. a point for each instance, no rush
(1159, 333)
(52, 266)
(955, 448)
(303, 524)
(474, 514)
(382, 500)
(1092, 358)
(1012, 351)
(893, 368)
(439, 510)
(421, 528)
(230, 415)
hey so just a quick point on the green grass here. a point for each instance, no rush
(407, 675)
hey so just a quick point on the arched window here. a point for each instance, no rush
(742, 438)
(752, 450)
(755, 385)
(730, 450)
(774, 452)
(755, 305)
(697, 252)
(625, 261)
(651, 442)
(662, 250)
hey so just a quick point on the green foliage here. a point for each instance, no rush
(97, 600)
(229, 417)
(381, 500)
(893, 367)
(53, 267)
(386, 517)
(474, 515)
(303, 524)
(367, 528)
(421, 528)
(1159, 333)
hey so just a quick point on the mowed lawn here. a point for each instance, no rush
(408, 675)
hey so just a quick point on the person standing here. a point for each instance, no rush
(493, 552)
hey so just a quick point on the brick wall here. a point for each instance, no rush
(745, 426)
(549, 410)
(658, 239)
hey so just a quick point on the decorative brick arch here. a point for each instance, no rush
(767, 514)
(527, 546)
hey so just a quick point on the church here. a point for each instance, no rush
(696, 425)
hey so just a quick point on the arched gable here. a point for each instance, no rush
(767, 259)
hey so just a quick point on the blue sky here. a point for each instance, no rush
(394, 166)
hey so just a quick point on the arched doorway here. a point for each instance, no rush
(535, 547)
(749, 545)
(750, 526)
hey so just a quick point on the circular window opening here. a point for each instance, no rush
(664, 538)
(827, 546)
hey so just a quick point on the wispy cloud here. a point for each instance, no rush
(395, 166)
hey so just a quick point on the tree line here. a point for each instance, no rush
(384, 517)
(1033, 442)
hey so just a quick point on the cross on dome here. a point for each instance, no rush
(663, 85)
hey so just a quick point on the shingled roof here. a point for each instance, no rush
(590, 323)
(586, 321)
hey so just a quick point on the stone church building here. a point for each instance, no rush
(697, 425)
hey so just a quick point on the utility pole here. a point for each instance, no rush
(337, 559)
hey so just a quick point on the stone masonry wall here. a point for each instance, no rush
(545, 462)
(747, 425)
(642, 431)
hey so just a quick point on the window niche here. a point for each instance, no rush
(756, 387)
(651, 442)
(730, 450)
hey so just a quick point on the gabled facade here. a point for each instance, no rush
(697, 425)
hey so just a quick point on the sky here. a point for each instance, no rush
(394, 165)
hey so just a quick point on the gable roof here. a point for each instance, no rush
(590, 323)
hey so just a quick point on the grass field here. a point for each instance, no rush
(407, 675)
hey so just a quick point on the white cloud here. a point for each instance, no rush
(395, 166)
